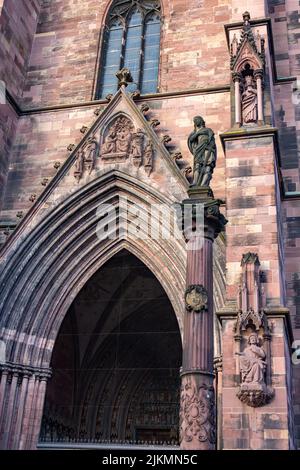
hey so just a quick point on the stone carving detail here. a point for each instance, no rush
(196, 299)
(202, 145)
(197, 416)
(121, 141)
(86, 158)
(253, 360)
(137, 148)
(124, 77)
(117, 140)
(253, 390)
(247, 66)
(249, 101)
(148, 157)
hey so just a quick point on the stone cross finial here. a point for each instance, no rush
(124, 77)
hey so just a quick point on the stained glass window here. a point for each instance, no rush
(131, 39)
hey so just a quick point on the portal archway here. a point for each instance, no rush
(116, 361)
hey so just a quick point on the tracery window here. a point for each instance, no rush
(131, 39)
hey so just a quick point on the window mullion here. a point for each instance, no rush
(122, 56)
(142, 54)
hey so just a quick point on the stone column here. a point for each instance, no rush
(22, 398)
(258, 75)
(237, 98)
(197, 410)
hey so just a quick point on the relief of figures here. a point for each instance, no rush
(122, 142)
(118, 139)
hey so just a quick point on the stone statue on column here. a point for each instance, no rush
(197, 399)
(202, 145)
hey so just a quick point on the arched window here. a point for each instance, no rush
(131, 39)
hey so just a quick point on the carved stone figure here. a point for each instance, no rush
(253, 364)
(86, 158)
(202, 145)
(109, 145)
(118, 139)
(137, 148)
(249, 101)
(148, 158)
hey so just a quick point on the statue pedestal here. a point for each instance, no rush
(197, 410)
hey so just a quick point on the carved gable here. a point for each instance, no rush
(121, 139)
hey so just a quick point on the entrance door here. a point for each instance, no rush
(116, 361)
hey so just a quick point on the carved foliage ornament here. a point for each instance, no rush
(197, 415)
(196, 298)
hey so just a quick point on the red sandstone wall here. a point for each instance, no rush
(285, 16)
(18, 20)
(62, 70)
(62, 66)
(18, 23)
(8, 124)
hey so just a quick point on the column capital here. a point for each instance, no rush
(258, 73)
(189, 210)
(43, 373)
(236, 76)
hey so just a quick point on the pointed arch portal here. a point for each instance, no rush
(116, 361)
(51, 262)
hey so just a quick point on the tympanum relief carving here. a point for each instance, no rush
(121, 142)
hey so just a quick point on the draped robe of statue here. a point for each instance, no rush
(249, 102)
(201, 143)
(252, 362)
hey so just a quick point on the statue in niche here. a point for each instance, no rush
(249, 101)
(253, 364)
(137, 147)
(118, 139)
(86, 158)
(148, 157)
(202, 145)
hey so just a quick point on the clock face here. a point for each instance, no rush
(196, 298)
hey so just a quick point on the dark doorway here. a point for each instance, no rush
(116, 361)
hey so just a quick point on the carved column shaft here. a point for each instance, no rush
(22, 397)
(198, 340)
(197, 412)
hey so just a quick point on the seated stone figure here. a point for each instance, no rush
(253, 365)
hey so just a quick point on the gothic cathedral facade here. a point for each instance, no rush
(149, 224)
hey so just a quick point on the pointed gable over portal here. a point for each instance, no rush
(120, 140)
